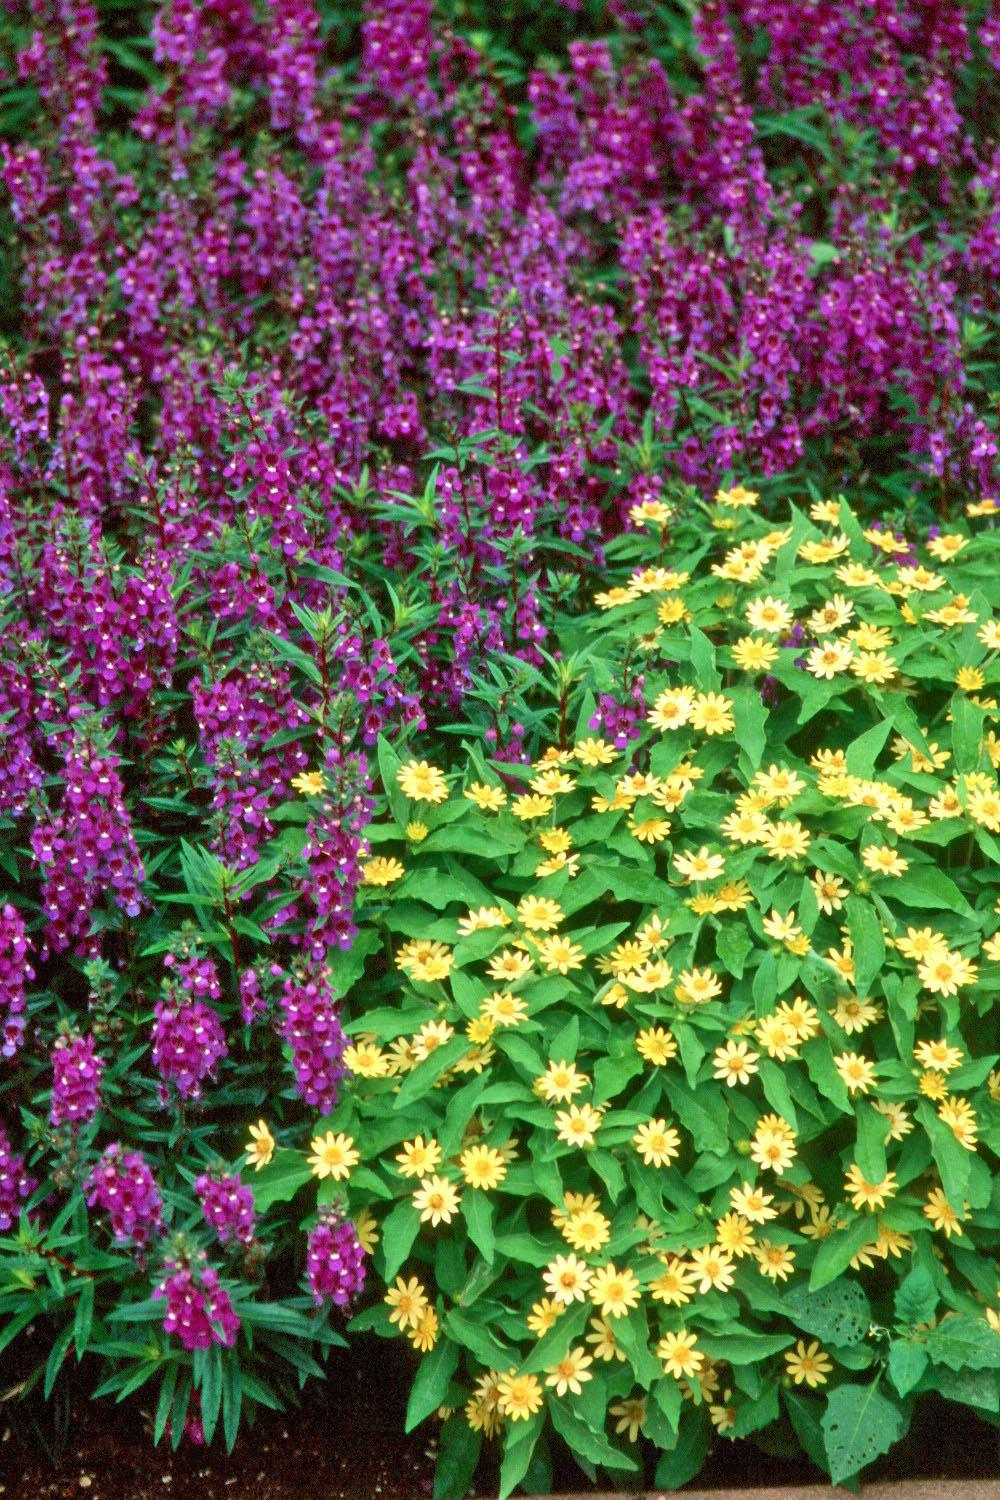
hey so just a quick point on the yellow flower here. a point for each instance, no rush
(773, 1144)
(786, 839)
(539, 914)
(869, 1195)
(586, 1230)
(614, 1292)
(856, 1071)
(381, 871)
(675, 1285)
(775, 1261)
(830, 892)
(656, 1045)
(518, 1396)
(309, 783)
(808, 1364)
(751, 654)
(712, 714)
(333, 1156)
(366, 1060)
(499, 1009)
(483, 1167)
(558, 955)
(770, 615)
(940, 1056)
(672, 709)
(408, 1303)
(631, 1414)
(260, 1147)
(941, 1214)
(366, 1229)
(567, 1279)
(700, 866)
(595, 752)
(543, 1316)
(418, 1158)
(436, 1200)
(560, 1082)
(753, 1203)
(680, 1354)
(416, 832)
(431, 1036)
(696, 986)
(735, 1063)
(570, 1373)
(945, 973)
(422, 782)
(734, 1236)
(960, 1118)
(509, 965)
(531, 805)
(578, 1125)
(712, 1268)
(657, 1143)
(884, 860)
(425, 1335)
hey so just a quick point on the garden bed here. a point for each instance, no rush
(347, 1443)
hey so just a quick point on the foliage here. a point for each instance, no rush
(703, 1021)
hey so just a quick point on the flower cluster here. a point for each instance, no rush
(227, 1205)
(76, 1081)
(335, 1260)
(123, 1187)
(311, 1026)
(15, 1183)
(197, 1307)
(709, 1143)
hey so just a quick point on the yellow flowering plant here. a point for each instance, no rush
(676, 1092)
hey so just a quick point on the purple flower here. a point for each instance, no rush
(198, 1309)
(122, 1185)
(227, 1205)
(15, 1184)
(15, 971)
(311, 1026)
(335, 1261)
(76, 1081)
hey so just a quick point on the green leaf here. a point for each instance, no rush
(458, 1455)
(280, 1180)
(916, 1298)
(838, 1313)
(478, 1212)
(859, 1425)
(966, 732)
(869, 944)
(398, 1233)
(518, 1445)
(683, 1461)
(964, 1343)
(478, 1339)
(584, 1440)
(836, 1253)
(750, 717)
(907, 1363)
(870, 1147)
(430, 1385)
(951, 1159)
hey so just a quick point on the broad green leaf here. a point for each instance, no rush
(859, 1425)
(430, 1384)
